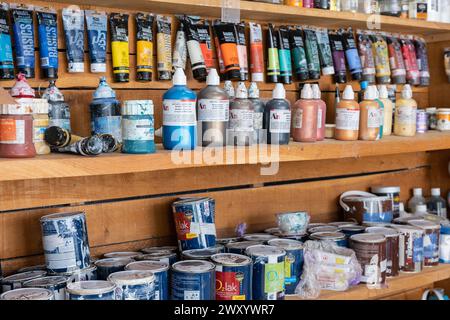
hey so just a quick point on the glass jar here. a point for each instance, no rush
(138, 127)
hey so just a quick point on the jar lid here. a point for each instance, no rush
(40, 106)
(131, 277)
(137, 108)
(27, 294)
(21, 88)
(154, 266)
(381, 189)
(103, 90)
(22, 107)
(52, 93)
(90, 287)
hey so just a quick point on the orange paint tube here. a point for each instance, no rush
(256, 53)
(226, 36)
(205, 43)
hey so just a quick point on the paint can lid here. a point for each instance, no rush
(326, 228)
(156, 255)
(213, 78)
(316, 91)
(327, 236)
(286, 244)
(193, 266)
(348, 93)
(405, 219)
(368, 238)
(342, 223)
(273, 230)
(425, 224)
(260, 237)
(21, 88)
(202, 254)
(242, 245)
(24, 276)
(103, 91)
(64, 215)
(122, 254)
(45, 282)
(225, 241)
(351, 227)
(33, 268)
(381, 189)
(179, 78)
(241, 91)
(307, 92)
(137, 108)
(264, 251)
(253, 91)
(153, 266)
(387, 232)
(113, 262)
(231, 259)
(28, 294)
(132, 277)
(279, 92)
(316, 224)
(407, 229)
(153, 249)
(90, 287)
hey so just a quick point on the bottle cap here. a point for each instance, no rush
(348, 93)
(21, 88)
(52, 93)
(279, 92)
(421, 208)
(253, 91)
(307, 92)
(241, 91)
(436, 192)
(376, 93)
(406, 92)
(316, 91)
(417, 191)
(364, 85)
(383, 92)
(213, 78)
(229, 89)
(369, 93)
(104, 91)
(179, 78)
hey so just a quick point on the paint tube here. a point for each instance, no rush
(256, 53)
(57, 137)
(273, 62)
(312, 54)
(110, 143)
(300, 64)
(119, 46)
(351, 54)
(409, 56)
(226, 36)
(366, 56)
(422, 61)
(179, 56)
(396, 62)
(48, 42)
(164, 47)
(204, 36)
(242, 50)
(193, 47)
(383, 70)
(326, 59)
(90, 146)
(338, 52)
(219, 55)
(144, 46)
(73, 22)
(6, 54)
(97, 25)
(284, 54)
(23, 27)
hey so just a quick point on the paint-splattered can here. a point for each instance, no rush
(430, 241)
(268, 272)
(444, 245)
(325, 228)
(27, 294)
(225, 241)
(410, 248)
(33, 268)
(122, 254)
(193, 280)
(92, 290)
(260, 237)
(110, 265)
(233, 276)
(166, 256)
(17, 280)
(337, 237)
(56, 284)
(421, 121)
(351, 229)
(89, 273)
(392, 246)
(134, 284)
(293, 264)
(240, 247)
(161, 272)
(315, 224)
(202, 254)
(300, 237)
(194, 223)
(173, 249)
(65, 241)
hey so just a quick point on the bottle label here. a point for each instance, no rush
(141, 130)
(319, 119)
(241, 120)
(298, 119)
(179, 112)
(213, 110)
(12, 131)
(280, 121)
(39, 127)
(109, 125)
(258, 120)
(373, 117)
(347, 119)
(405, 115)
(62, 123)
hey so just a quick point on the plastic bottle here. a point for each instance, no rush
(229, 89)
(416, 200)
(240, 127)
(436, 204)
(347, 116)
(388, 110)
(138, 131)
(213, 106)
(277, 117)
(405, 114)
(321, 112)
(179, 117)
(369, 126)
(421, 210)
(304, 116)
(59, 110)
(381, 114)
(258, 116)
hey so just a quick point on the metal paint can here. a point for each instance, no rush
(268, 272)
(368, 208)
(444, 245)
(326, 228)
(56, 284)
(293, 264)
(65, 241)
(193, 280)
(260, 237)
(392, 248)
(110, 265)
(351, 229)
(300, 237)
(17, 280)
(225, 241)
(405, 220)
(341, 223)
(430, 241)
(33, 268)
(410, 248)
(92, 290)
(337, 237)
(421, 121)
(122, 254)
(161, 273)
(173, 249)
(85, 274)
(292, 223)
(392, 192)
(240, 247)
(27, 294)
(134, 284)
(165, 256)
(233, 276)
(194, 223)
(202, 254)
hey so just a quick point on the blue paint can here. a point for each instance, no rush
(122, 254)
(110, 265)
(153, 249)
(89, 273)
(134, 284)
(194, 223)
(202, 254)
(337, 237)
(351, 229)
(193, 280)
(161, 272)
(293, 264)
(444, 245)
(56, 284)
(233, 276)
(260, 237)
(17, 280)
(92, 290)
(268, 272)
(65, 241)
(165, 256)
(430, 241)
(27, 294)
(240, 247)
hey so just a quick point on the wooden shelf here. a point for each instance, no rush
(396, 285)
(66, 165)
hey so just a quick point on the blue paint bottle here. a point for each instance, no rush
(48, 42)
(179, 115)
(6, 54)
(22, 18)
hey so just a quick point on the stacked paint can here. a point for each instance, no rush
(193, 280)
(134, 284)
(161, 272)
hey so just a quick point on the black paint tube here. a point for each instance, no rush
(312, 54)
(90, 146)
(326, 59)
(226, 35)
(48, 42)
(422, 61)
(6, 53)
(119, 47)
(242, 50)
(23, 27)
(73, 22)
(273, 62)
(338, 53)
(300, 64)
(110, 144)
(193, 47)
(144, 46)
(284, 54)
(57, 137)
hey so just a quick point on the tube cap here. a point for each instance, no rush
(417, 191)
(348, 94)
(406, 92)
(103, 90)
(279, 92)
(383, 92)
(241, 91)
(436, 192)
(364, 85)
(179, 78)
(370, 93)
(213, 78)
(316, 91)
(307, 92)
(253, 91)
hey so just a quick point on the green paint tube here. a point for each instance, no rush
(273, 63)
(300, 64)
(312, 54)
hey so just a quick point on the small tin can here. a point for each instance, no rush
(161, 272)
(27, 294)
(225, 241)
(268, 272)
(293, 262)
(193, 280)
(341, 223)
(165, 256)
(110, 265)
(337, 237)
(443, 119)
(56, 284)
(233, 276)
(392, 248)
(134, 284)
(432, 118)
(202, 254)
(194, 223)
(138, 131)
(260, 237)
(33, 268)
(430, 241)
(17, 280)
(89, 273)
(240, 247)
(323, 229)
(444, 246)
(122, 254)
(351, 229)
(173, 249)
(392, 192)
(421, 121)
(293, 223)
(410, 248)
(65, 241)
(92, 290)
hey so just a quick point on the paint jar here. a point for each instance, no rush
(410, 248)
(138, 132)
(161, 272)
(202, 254)
(369, 123)
(233, 276)
(40, 124)
(27, 294)
(432, 118)
(444, 244)
(122, 254)
(421, 121)
(65, 241)
(17, 280)
(56, 284)
(392, 248)
(134, 284)
(337, 237)
(240, 127)
(268, 272)
(430, 241)
(293, 263)
(351, 229)
(370, 250)
(293, 223)
(165, 256)
(392, 192)
(240, 247)
(193, 280)
(89, 273)
(443, 119)
(173, 249)
(110, 265)
(92, 290)
(259, 237)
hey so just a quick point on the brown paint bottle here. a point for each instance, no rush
(347, 116)
(369, 120)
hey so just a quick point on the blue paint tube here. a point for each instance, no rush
(6, 55)
(73, 22)
(22, 18)
(48, 42)
(97, 24)
(351, 53)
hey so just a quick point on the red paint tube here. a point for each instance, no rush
(409, 56)
(204, 35)
(256, 52)
(396, 62)
(219, 55)
(226, 35)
